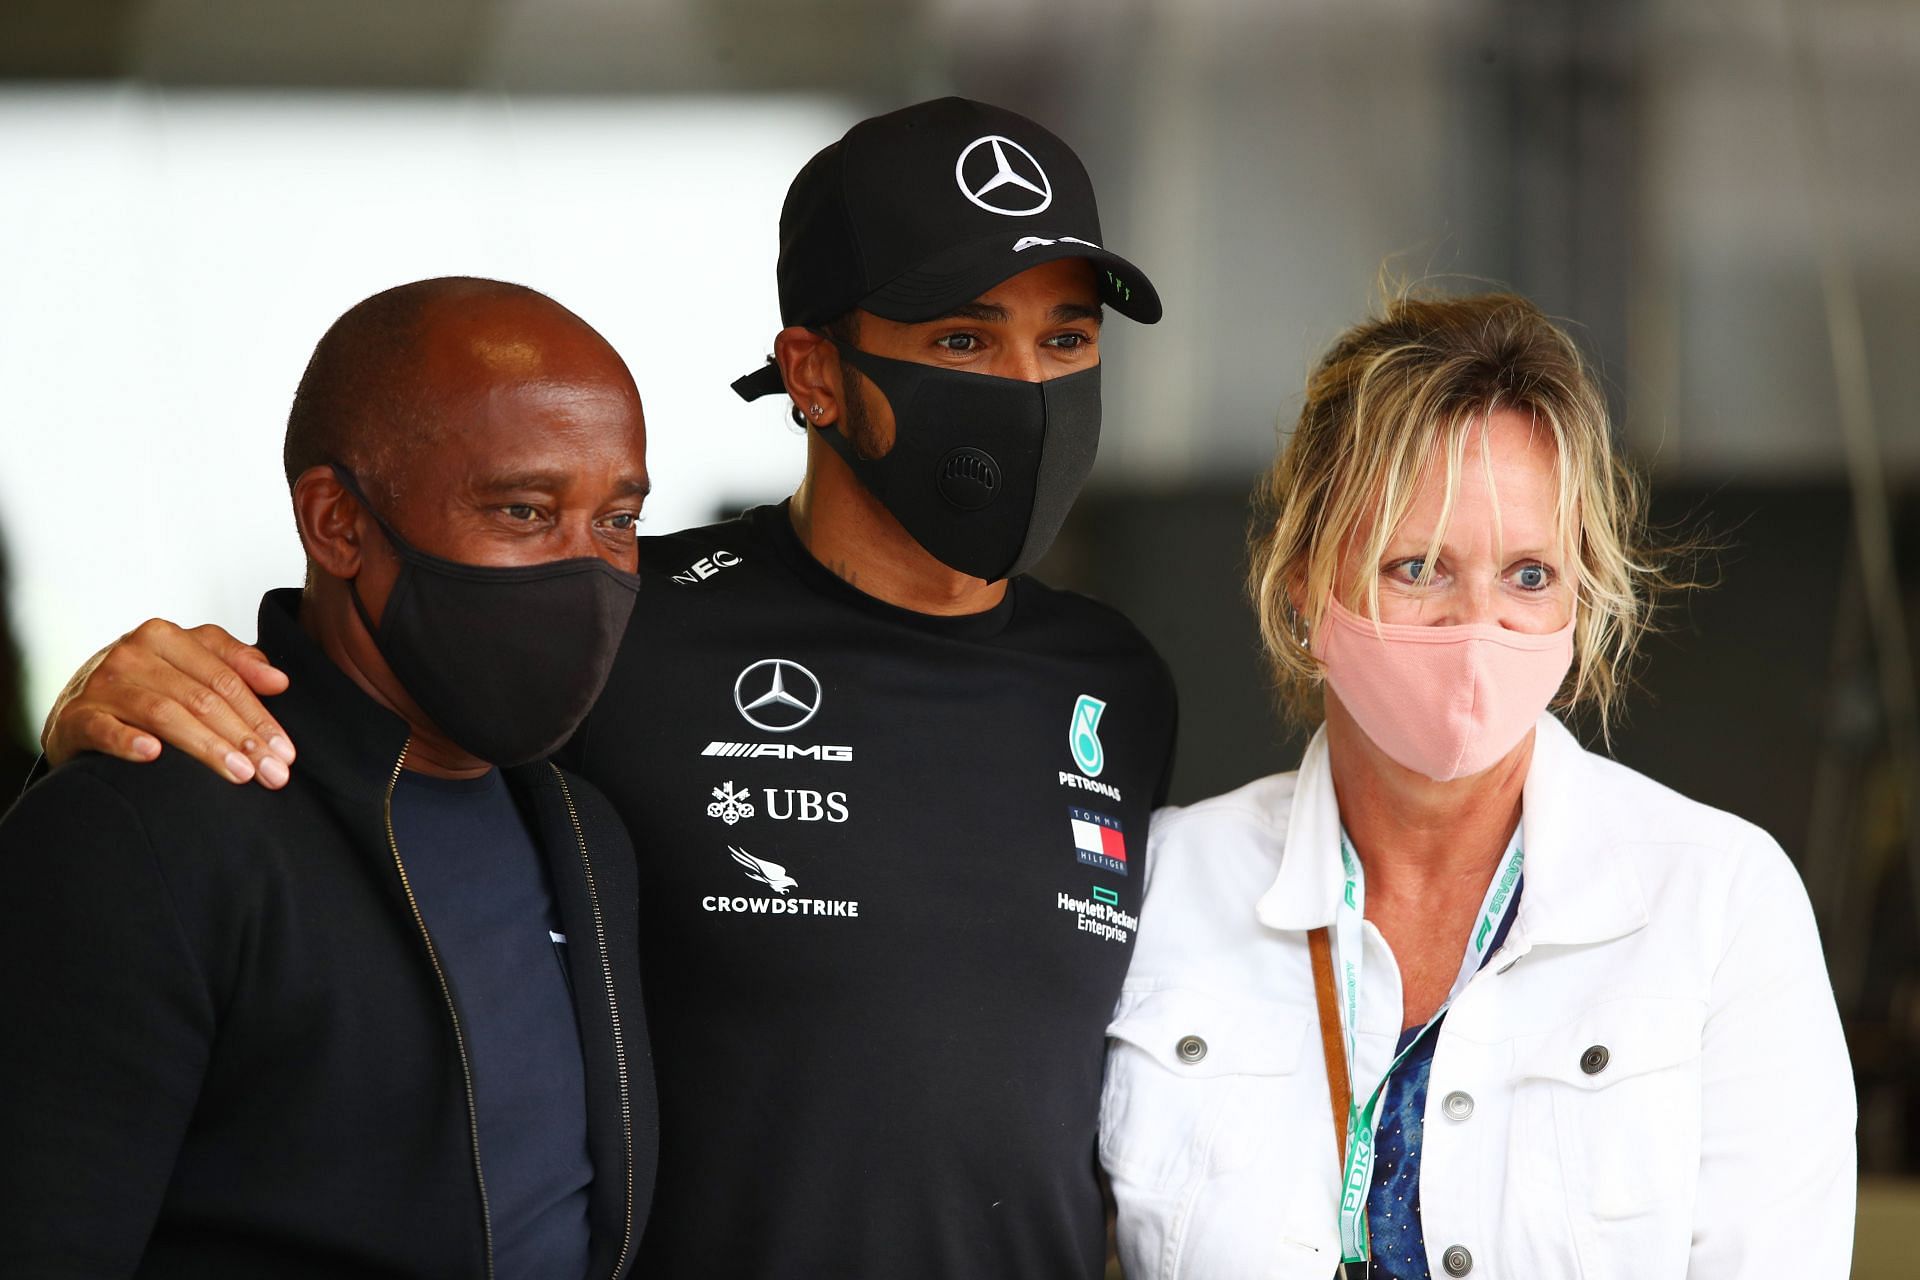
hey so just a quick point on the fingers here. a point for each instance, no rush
(106, 734)
(159, 682)
(261, 675)
(191, 680)
(72, 726)
(186, 714)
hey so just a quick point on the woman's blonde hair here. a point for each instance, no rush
(1392, 392)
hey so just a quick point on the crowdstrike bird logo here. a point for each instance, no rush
(771, 874)
(776, 694)
(780, 903)
(1004, 178)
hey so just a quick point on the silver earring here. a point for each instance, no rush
(815, 411)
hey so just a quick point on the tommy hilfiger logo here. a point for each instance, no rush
(1098, 840)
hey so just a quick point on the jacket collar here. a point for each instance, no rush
(1577, 891)
(1307, 890)
(348, 743)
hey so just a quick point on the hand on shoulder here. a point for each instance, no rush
(197, 690)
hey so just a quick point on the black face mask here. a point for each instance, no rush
(507, 661)
(983, 470)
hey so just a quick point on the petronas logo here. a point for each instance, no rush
(1084, 737)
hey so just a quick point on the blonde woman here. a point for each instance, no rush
(1458, 997)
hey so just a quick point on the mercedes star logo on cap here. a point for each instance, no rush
(776, 694)
(870, 222)
(1016, 185)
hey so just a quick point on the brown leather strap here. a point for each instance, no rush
(1332, 1044)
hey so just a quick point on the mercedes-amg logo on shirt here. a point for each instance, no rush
(776, 694)
(1014, 185)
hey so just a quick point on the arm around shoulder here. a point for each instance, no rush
(108, 1027)
(1777, 1156)
(198, 691)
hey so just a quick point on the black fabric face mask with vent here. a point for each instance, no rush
(983, 470)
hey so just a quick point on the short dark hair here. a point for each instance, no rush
(361, 400)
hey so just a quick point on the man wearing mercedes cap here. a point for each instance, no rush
(889, 793)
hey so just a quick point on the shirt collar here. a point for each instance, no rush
(1578, 891)
(1306, 892)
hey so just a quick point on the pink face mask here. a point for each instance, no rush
(1444, 701)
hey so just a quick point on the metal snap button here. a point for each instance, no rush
(1191, 1048)
(1458, 1105)
(1456, 1260)
(1595, 1060)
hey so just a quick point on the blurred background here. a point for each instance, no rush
(1719, 196)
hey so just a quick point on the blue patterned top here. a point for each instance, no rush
(1397, 1244)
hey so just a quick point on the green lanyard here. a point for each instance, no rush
(1348, 936)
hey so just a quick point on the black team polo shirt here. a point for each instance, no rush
(890, 872)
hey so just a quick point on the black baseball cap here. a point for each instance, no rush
(918, 211)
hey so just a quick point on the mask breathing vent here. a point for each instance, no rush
(969, 479)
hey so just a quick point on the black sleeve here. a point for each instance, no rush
(34, 775)
(105, 1031)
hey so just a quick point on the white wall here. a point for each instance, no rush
(168, 260)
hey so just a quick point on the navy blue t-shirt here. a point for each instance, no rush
(482, 888)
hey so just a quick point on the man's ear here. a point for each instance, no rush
(329, 520)
(811, 369)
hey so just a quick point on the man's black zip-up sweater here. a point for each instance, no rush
(224, 1047)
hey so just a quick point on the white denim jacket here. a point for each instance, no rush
(1647, 1080)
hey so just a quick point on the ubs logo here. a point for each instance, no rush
(803, 804)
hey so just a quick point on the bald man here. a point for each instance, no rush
(386, 1022)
